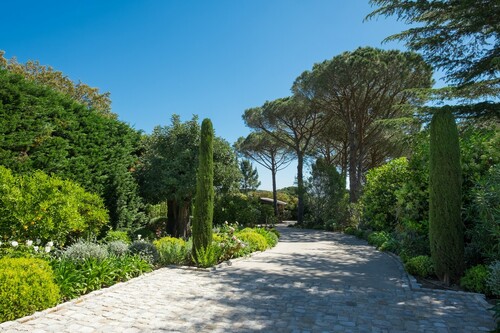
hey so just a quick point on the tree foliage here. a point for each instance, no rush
(48, 76)
(361, 93)
(42, 129)
(204, 201)
(167, 170)
(250, 176)
(446, 232)
(293, 122)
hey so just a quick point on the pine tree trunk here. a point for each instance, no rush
(300, 185)
(446, 233)
(275, 192)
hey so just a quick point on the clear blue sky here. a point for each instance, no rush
(211, 58)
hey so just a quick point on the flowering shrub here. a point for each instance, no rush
(26, 249)
(26, 285)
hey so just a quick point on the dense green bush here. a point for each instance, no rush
(475, 279)
(493, 281)
(237, 207)
(78, 277)
(379, 199)
(378, 238)
(420, 266)
(117, 248)
(82, 250)
(172, 251)
(271, 238)
(255, 241)
(39, 206)
(207, 257)
(145, 250)
(117, 235)
(26, 286)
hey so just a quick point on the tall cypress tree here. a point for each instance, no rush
(446, 233)
(204, 200)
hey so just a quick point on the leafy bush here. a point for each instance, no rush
(145, 250)
(77, 277)
(255, 241)
(475, 278)
(39, 206)
(85, 250)
(26, 286)
(172, 251)
(27, 249)
(117, 248)
(378, 238)
(379, 197)
(493, 281)
(207, 257)
(117, 235)
(270, 237)
(420, 266)
(237, 207)
(276, 232)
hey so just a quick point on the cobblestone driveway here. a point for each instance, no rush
(312, 281)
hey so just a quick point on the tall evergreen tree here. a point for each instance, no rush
(204, 200)
(446, 233)
(250, 180)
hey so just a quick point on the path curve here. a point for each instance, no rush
(312, 281)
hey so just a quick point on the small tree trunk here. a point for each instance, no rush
(178, 218)
(300, 185)
(275, 192)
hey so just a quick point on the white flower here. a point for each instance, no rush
(29, 242)
(50, 244)
(231, 229)
(14, 243)
(225, 223)
(38, 241)
(48, 248)
(139, 237)
(35, 248)
(234, 238)
(0, 243)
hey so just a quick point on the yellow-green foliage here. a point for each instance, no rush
(171, 250)
(255, 241)
(26, 286)
(39, 206)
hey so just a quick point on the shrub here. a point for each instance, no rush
(85, 250)
(207, 257)
(117, 235)
(420, 266)
(493, 281)
(26, 286)
(255, 241)
(276, 232)
(145, 250)
(171, 251)
(117, 248)
(39, 206)
(378, 238)
(270, 237)
(475, 278)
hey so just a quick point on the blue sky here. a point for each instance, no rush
(210, 58)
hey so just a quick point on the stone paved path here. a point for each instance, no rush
(312, 281)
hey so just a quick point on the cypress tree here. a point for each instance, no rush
(446, 233)
(204, 200)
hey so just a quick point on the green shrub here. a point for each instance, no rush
(85, 250)
(276, 232)
(117, 248)
(475, 278)
(117, 235)
(207, 257)
(493, 281)
(39, 206)
(255, 241)
(26, 286)
(270, 237)
(172, 251)
(378, 238)
(145, 250)
(351, 231)
(420, 266)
